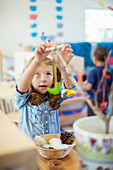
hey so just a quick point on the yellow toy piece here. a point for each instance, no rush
(70, 92)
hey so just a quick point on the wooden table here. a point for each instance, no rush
(16, 150)
(70, 162)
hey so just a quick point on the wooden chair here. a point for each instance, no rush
(9, 107)
(7, 104)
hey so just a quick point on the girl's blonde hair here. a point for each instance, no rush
(35, 97)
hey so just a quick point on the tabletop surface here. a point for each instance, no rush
(71, 161)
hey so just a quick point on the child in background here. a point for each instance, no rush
(38, 108)
(94, 76)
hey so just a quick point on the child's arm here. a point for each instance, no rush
(66, 53)
(88, 87)
(26, 78)
(67, 82)
(91, 80)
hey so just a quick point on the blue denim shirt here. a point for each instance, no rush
(37, 119)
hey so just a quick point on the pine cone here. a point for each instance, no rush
(67, 138)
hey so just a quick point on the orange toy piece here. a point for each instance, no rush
(103, 106)
(80, 78)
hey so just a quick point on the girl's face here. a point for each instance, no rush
(43, 78)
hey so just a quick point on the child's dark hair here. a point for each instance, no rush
(35, 97)
(100, 53)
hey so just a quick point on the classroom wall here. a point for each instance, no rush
(15, 22)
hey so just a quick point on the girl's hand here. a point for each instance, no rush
(41, 53)
(66, 53)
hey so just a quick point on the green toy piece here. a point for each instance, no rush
(55, 90)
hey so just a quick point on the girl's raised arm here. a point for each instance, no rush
(26, 78)
(66, 53)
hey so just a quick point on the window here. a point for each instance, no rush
(98, 25)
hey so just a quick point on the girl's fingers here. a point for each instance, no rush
(69, 50)
(47, 45)
(70, 55)
(38, 50)
(67, 45)
(43, 47)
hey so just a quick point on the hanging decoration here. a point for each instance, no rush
(33, 18)
(59, 8)
(33, 0)
(57, 32)
(58, 1)
(34, 25)
(106, 4)
(45, 37)
(56, 90)
(34, 34)
(59, 25)
(54, 50)
(60, 34)
(33, 8)
(59, 18)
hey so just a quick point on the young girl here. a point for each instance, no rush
(38, 108)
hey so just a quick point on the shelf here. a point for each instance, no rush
(9, 73)
(9, 55)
